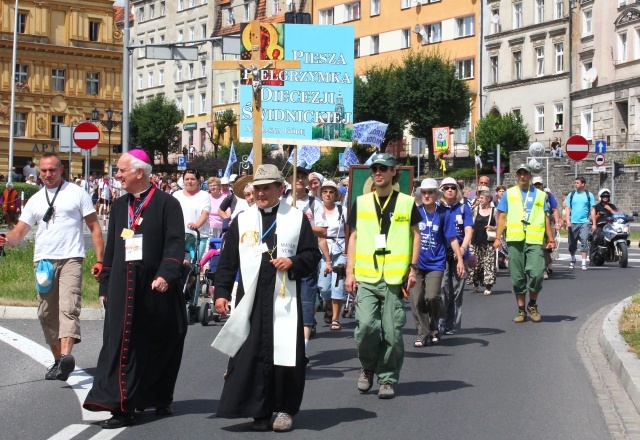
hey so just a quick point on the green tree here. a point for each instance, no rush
(508, 130)
(227, 119)
(430, 95)
(154, 126)
(373, 101)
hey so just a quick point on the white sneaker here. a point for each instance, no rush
(584, 266)
(572, 265)
(545, 275)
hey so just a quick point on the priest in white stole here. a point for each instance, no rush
(273, 246)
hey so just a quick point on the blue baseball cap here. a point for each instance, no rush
(44, 276)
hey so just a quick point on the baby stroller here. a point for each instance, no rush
(191, 276)
(207, 310)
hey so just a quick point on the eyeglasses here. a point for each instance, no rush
(605, 195)
(449, 188)
(382, 168)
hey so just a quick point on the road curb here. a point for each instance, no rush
(624, 363)
(15, 312)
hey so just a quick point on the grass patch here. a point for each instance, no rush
(629, 324)
(17, 278)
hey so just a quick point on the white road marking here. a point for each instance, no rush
(69, 432)
(80, 381)
(107, 434)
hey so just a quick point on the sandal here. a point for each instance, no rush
(335, 325)
(434, 339)
(328, 317)
(420, 343)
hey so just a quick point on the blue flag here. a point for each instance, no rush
(250, 159)
(370, 160)
(307, 156)
(232, 159)
(349, 158)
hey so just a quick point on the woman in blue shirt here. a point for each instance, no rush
(435, 231)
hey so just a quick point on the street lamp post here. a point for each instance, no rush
(110, 124)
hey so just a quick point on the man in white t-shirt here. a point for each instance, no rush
(312, 208)
(59, 210)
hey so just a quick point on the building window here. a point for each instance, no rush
(192, 3)
(517, 15)
(539, 61)
(326, 16)
(406, 39)
(22, 23)
(20, 124)
(496, 27)
(559, 57)
(192, 33)
(203, 103)
(406, 4)
(433, 33)
(203, 68)
(58, 80)
(587, 21)
(539, 11)
(221, 88)
(516, 112)
(151, 40)
(352, 11)
(235, 92)
(161, 77)
(276, 9)
(559, 9)
(152, 11)
(180, 5)
(493, 62)
(163, 9)
(22, 73)
(190, 105)
(140, 83)
(356, 48)
(190, 71)
(180, 35)
(464, 69)
(179, 102)
(141, 14)
(57, 121)
(162, 38)
(622, 47)
(93, 83)
(247, 11)
(203, 30)
(586, 124)
(375, 44)
(141, 49)
(94, 31)
(586, 66)
(375, 7)
(464, 26)
(558, 115)
(539, 118)
(178, 73)
(150, 79)
(517, 65)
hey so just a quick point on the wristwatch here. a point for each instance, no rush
(413, 266)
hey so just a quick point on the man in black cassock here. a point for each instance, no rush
(145, 322)
(273, 246)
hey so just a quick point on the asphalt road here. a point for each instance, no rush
(492, 380)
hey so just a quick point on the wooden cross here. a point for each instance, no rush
(255, 66)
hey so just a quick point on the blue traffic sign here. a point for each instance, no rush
(182, 161)
(601, 147)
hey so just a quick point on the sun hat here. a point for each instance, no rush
(267, 173)
(449, 181)
(224, 181)
(44, 276)
(536, 179)
(319, 176)
(330, 184)
(429, 184)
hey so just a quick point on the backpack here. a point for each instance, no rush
(589, 195)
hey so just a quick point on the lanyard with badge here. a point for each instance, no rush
(381, 239)
(525, 214)
(133, 241)
(432, 228)
(47, 215)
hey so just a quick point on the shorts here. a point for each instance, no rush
(59, 309)
(105, 202)
(579, 231)
(309, 295)
(327, 284)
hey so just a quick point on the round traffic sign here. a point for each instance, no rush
(600, 159)
(86, 135)
(577, 147)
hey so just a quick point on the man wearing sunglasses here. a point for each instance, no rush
(383, 251)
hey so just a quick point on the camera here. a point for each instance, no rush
(47, 215)
(341, 271)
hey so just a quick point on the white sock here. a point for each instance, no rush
(306, 344)
(584, 262)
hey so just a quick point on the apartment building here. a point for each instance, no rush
(526, 59)
(606, 62)
(187, 82)
(69, 62)
(386, 30)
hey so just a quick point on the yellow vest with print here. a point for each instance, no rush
(394, 264)
(534, 233)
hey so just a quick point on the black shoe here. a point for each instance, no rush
(313, 331)
(52, 372)
(164, 410)
(67, 365)
(118, 421)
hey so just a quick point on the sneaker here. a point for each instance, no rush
(521, 317)
(572, 265)
(533, 311)
(386, 391)
(67, 365)
(365, 381)
(52, 372)
(584, 266)
(487, 292)
(448, 331)
(545, 275)
(283, 422)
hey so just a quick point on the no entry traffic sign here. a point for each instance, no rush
(600, 160)
(86, 135)
(577, 147)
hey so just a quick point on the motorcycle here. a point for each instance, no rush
(615, 230)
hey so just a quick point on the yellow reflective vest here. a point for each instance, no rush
(534, 233)
(392, 263)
